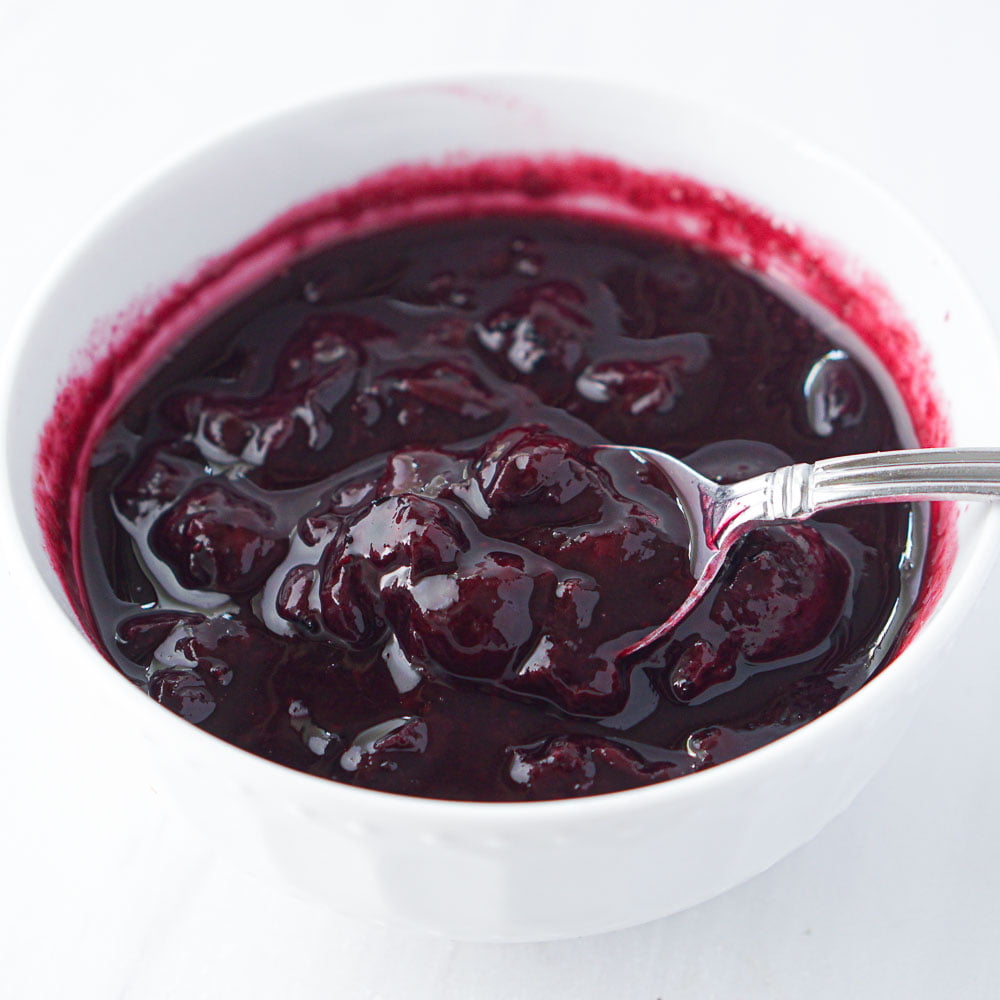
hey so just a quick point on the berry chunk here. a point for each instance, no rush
(381, 755)
(183, 692)
(786, 594)
(350, 604)
(539, 337)
(296, 601)
(530, 477)
(374, 746)
(408, 530)
(153, 481)
(337, 601)
(296, 421)
(564, 665)
(566, 671)
(580, 765)
(431, 404)
(324, 356)
(138, 637)
(426, 471)
(471, 623)
(640, 386)
(661, 388)
(701, 666)
(287, 434)
(215, 646)
(217, 540)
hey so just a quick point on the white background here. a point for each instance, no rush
(105, 892)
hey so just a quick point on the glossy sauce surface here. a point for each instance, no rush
(355, 524)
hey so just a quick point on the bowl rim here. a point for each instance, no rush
(362, 802)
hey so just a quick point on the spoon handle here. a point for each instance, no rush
(797, 491)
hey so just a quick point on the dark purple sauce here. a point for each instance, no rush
(355, 523)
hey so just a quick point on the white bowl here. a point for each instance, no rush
(483, 871)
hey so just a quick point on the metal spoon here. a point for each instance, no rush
(719, 515)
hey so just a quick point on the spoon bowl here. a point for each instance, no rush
(719, 514)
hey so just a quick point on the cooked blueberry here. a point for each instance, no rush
(286, 435)
(701, 666)
(434, 403)
(183, 692)
(639, 386)
(544, 475)
(471, 623)
(383, 746)
(215, 539)
(539, 336)
(139, 637)
(153, 481)
(408, 530)
(350, 604)
(663, 387)
(580, 765)
(786, 594)
(297, 600)
(422, 471)
(295, 421)
(323, 357)
(576, 678)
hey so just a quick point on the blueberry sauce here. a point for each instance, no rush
(356, 524)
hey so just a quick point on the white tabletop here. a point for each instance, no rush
(108, 892)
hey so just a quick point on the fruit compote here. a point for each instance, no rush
(356, 523)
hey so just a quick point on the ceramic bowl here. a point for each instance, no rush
(500, 872)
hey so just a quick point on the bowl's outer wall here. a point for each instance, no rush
(522, 872)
